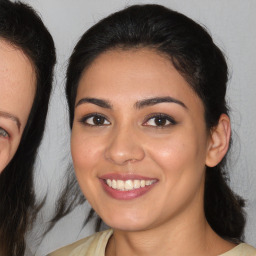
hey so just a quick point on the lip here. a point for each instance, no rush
(124, 177)
(125, 195)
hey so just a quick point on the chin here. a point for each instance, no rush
(127, 223)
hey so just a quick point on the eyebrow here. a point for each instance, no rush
(11, 117)
(153, 101)
(138, 105)
(98, 102)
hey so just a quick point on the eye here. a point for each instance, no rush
(95, 120)
(4, 133)
(159, 120)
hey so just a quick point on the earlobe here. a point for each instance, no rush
(219, 141)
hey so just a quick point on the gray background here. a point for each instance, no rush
(232, 24)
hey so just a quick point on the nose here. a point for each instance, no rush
(124, 147)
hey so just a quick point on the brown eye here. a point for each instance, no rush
(160, 120)
(95, 120)
(98, 120)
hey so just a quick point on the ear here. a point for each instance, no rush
(219, 141)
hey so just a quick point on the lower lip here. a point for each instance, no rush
(126, 195)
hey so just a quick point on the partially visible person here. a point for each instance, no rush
(150, 125)
(27, 59)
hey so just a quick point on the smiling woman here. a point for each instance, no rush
(147, 148)
(150, 131)
(27, 58)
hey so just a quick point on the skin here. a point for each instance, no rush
(169, 218)
(17, 87)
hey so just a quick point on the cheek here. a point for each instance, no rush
(178, 155)
(8, 148)
(85, 152)
(4, 154)
(181, 162)
(171, 151)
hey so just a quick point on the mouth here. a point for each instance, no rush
(128, 185)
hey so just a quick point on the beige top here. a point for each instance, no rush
(95, 245)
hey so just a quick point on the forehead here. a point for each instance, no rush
(17, 81)
(134, 73)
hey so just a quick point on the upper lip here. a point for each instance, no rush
(126, 176)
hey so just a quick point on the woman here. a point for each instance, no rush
(27, 58)
(150, 130)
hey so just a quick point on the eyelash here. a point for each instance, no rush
(4, 133)
(165, 118)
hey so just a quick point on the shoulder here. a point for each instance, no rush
(94, 243)
(241, 250)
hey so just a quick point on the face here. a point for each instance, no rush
(139, 141)
(17, 90)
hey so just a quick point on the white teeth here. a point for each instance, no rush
(109, 182)
(147, 182)
(120, 185)
(136, 183)
(128, 184)
(114, 185)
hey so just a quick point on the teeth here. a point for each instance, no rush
(120, 184)
(147, 183)
(128, 184)
(114, 185)
(109, 182)
(136, 183)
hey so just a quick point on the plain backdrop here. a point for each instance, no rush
(231, 23)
